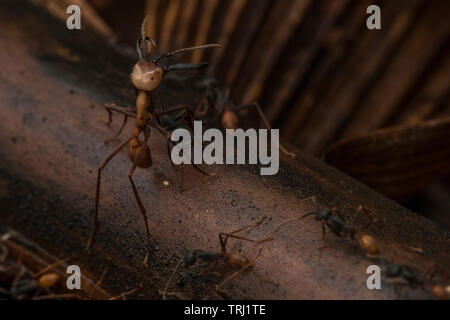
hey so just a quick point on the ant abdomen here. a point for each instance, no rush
(145, 159)
(230, 120)
(238, 259)
(369, 244)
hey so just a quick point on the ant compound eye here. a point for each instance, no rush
(323, 214)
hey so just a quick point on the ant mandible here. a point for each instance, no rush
(146, 77)
(221, 103)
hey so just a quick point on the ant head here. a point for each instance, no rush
(190, 258)
(147, 75)
(323, 214)
(393, 270)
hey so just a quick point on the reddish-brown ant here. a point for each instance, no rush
(146, 77)
(235, 259)
(332, 219)
(222, 106)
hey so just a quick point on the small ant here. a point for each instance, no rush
(223, 107)
(439, 291)
(332, 219)
(401, 275)
(146, 77)
(236, 259)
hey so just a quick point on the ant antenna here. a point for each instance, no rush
(144, 27)
(185, 66)
(293, 219)
(169, 54)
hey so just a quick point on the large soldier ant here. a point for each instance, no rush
(222, 106)
(147, 75)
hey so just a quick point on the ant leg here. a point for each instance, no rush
(53, 266)
(375, 220)
(324, 243)
(172, 110)
(248, 265)
(187, 112)
(202, 107)
(97, 192)
(127, 112)
(138, 200)
(219, 289)
(109, 107)
(109, 117)
(124, 295)
(266, 123)
(314, 201)
(180, 168)
(125, 119)
(324, 235)
(223, 241)
(99, 282)
(170, 278)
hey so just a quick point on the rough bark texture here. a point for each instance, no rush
(53, 83)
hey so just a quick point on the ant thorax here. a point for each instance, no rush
(147, 76)
(144, 106)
